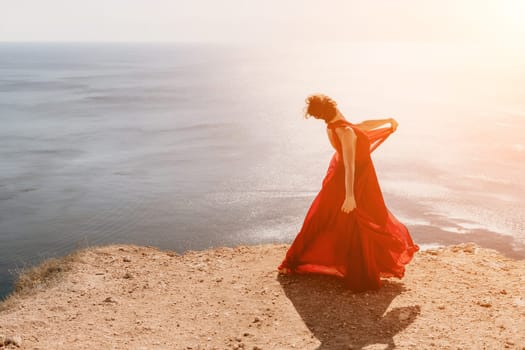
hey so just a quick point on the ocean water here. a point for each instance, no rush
(190, 146)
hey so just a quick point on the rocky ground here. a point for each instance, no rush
(132, 297)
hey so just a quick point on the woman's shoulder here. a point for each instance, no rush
(340, 125)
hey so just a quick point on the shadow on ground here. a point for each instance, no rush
(341, 319)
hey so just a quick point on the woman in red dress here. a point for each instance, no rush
(348, 230)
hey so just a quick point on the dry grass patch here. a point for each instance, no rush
(32, 279)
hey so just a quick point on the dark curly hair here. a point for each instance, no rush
(320, 106)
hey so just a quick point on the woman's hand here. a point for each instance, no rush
(348, 204)
(393, 124)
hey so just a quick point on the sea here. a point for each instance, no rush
(187, 146)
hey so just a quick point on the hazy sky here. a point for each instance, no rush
(495, 21)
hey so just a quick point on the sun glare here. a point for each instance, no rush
(513, 19)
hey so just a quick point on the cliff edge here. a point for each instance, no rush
(135, 297)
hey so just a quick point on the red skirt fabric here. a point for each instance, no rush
(363, 245)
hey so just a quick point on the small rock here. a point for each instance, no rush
(404, 315)
(109, 300)
(256, 319)
(519, 301)
(469, 248)
(485, 303)
(126, 259)
(127, 275)
(15, 340)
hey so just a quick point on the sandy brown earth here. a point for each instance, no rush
(132, 297)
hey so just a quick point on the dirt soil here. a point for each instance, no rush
(134, 297)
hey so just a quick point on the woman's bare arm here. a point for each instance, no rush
(348, 144)
(375, 123)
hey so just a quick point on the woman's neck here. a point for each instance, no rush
(338, 116)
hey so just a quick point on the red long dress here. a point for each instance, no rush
(363, 245)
